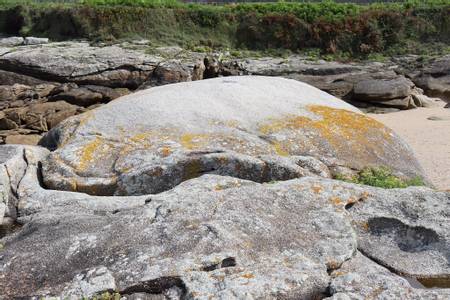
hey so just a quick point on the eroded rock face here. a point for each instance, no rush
(219, 237)
(247, 127)
(434, 78)
(361, 278)
(78, 62)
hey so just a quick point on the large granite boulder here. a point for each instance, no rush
(255, 128)
(219, 237)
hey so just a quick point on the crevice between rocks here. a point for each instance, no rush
(415, 282)
(157, 286)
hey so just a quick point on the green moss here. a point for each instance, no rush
(380, 177)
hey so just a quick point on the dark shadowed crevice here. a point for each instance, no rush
(156, 286)
(225, 263)
(9, 228)
(426, 282)
(409, 238)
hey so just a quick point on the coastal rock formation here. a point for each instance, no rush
(389, 90)
(435, 79)
(80, 63)
(91, 75)
(250, 127)
(221, 237)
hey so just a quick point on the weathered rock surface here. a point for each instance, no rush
(218, 237)
(382, 90)
(250, 127)
(361, 278)
(374, 87)
(86, 71)
(435, 79)
(110, 66)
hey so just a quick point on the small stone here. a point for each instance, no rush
(30, 139)
(11, 41)
(35, 41)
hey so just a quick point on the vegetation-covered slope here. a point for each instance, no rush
(333, 27)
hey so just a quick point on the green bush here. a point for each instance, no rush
(347, 30)
(381, 177)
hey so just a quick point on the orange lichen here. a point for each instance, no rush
(192, 141)
(316, 189)
(87, 153)
(337, 127)
(279, 149)
(332, 264)
(166, 151)
(337, 273)
(364, 196)
(218, 187)
(365, 226)
(248, 275)
(336, 200)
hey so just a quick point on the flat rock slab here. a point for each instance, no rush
(249, 127)
(406, 230)
(382, 90)
(361, 278)
(81, 63)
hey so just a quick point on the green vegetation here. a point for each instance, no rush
(343, 30)
(381, 177)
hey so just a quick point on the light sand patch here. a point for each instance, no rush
(429, 138)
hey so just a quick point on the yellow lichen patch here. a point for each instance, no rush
(141, 139)
(193, 141)
(364, 196)
(343, 130)
(279, 149)
(91, 152)
(336, 200)
(365, 226)
(332, 264)
(248, 275)
(351, 200)
(166, 151)
(317, 189)
(230, 123)
(218, 187)
(337, 273)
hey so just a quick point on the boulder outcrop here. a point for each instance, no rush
(90, 75)
(222, 237)
(250, 127)
(435, 78)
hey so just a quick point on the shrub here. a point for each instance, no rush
(381, 177)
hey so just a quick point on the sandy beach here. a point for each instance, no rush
(427, 131)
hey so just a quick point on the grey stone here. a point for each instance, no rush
(434, 79)
(11, 41)
(80, 96)
(29, 139)
(409, 233)
(78, 62)
(361, 278)
(382, 90)
(35, 41)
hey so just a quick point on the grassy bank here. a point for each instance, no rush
(351, 29)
